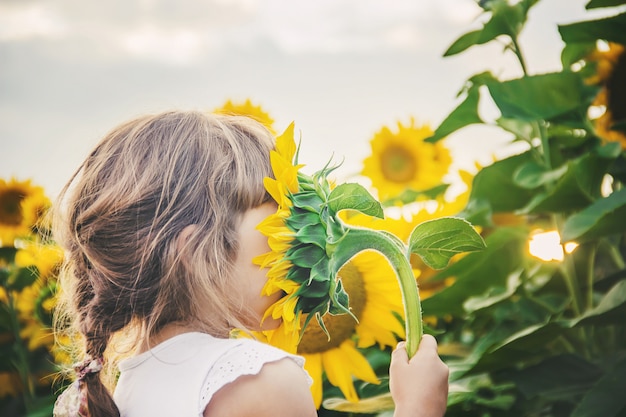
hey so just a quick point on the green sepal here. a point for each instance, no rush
(437, 241)
(320, 321)
(300, 218)
(298, 275)
(308, 200)
(306, 256)
(314, 289)
(314, 234)
(339, 300)
(320, 271)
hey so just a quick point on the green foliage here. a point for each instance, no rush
(437, 241)
(544, 338)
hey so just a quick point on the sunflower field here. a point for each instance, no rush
(531, 325)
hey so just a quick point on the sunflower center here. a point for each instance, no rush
(10, 211)
(397, 164)
(340, 327)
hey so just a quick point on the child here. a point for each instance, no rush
(158, 225)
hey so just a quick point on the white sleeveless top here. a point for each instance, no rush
(180, 376)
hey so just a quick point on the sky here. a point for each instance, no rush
(71, 70)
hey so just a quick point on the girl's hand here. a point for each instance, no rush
(419, 386)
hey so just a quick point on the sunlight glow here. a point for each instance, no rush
(547, 246)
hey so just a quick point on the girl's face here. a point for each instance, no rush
(251, 278)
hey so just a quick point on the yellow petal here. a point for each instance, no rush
(313, 365)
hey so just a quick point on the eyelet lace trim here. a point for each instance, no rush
(245, 359)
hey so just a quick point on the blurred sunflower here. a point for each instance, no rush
(14, 220)
(611, 76)
(376, 301)
(34, 303)
(247, 108)
(402, 160)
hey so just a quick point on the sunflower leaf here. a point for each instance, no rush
(437, 241)
(610, 29)
(505, 19)
(354, 197)
(542, 96)
(465, 114)
(603, 3)
(602, 218)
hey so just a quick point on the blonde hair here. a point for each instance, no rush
(121, 220)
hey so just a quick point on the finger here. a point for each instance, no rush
(399, 353)
(428, 343)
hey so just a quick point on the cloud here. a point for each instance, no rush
(181, 32)
(28, 21)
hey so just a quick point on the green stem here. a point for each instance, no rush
(358, 240)
(545, 144)
(518, 53)
(21, 361)
(614, 254)
(571, 282)
(590, 276)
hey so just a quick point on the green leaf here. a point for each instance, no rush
(609, 310)
(494, 294)
(463, 115)
(522, 129)
(354, 197)
(557, 378)
(574, 52)
(603, 217)
(466, 40)
(523, 345)
(505, 19)
(532, 175)
(494, 184)
(437, 241)
(606, 398)
(410, 196)
(22, 278)
(610, 29)
(477, 272)
(579, 185)
(540, 97)
(603, 3)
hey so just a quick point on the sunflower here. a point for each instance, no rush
(610, 75)
(376, 301)
(247, 109)
(403, 161)
(14, 221)
(360, 291)
(339, 274)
